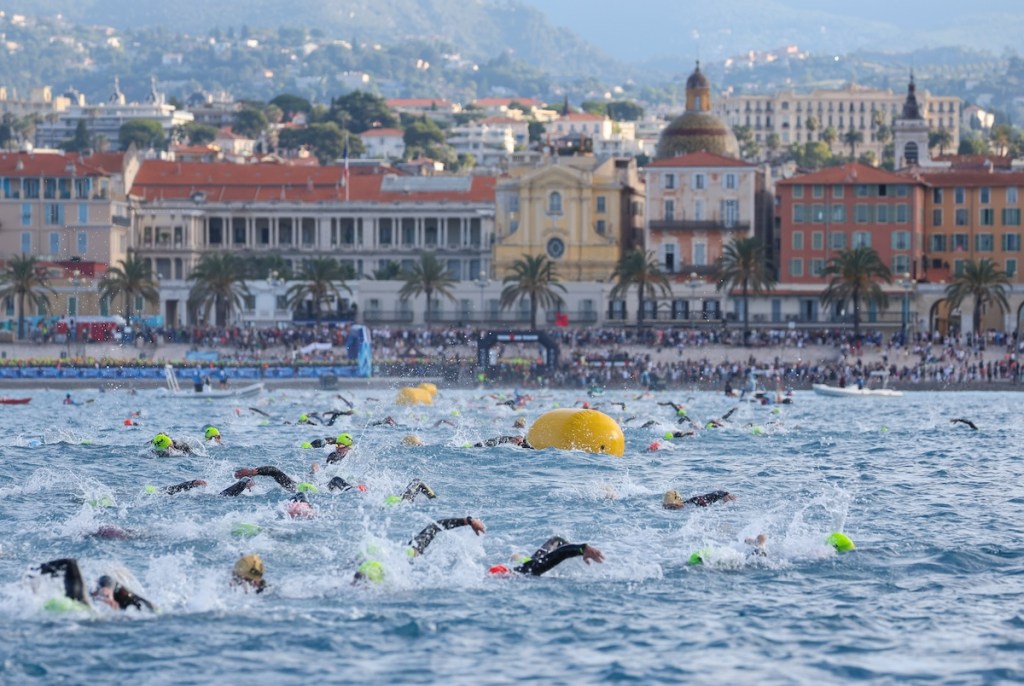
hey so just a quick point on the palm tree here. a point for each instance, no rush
(133, 278)
(830, 136)
(855, 275)
(982, 281)
(743, 265)
(941, 138)
(218, 285)
(811, 125)
(852, 138)
(534, 277)
(641, 269)
(22, 278)
(427, 276)
(319, 282)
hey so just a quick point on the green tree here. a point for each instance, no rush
(142, 133)
(1001, 136)
(423, 133)
(598, 107)
(389, 271)
(218, 286)
(773, 143)
(131, 279)
(290, 105)
(743, 265)
(321, 281)
(80, 141)
(830, 136)
(973, 144)
(249, 122)
(360, 111)
(7, 131)
(199, 134)
(940, 138)
(535, 278)
(535, 131)
(640, 269)
(22, 278)
(624, 110)
(854, 276)
(811, 124)
(853, 137)
(749, 149)
(428, 276)
(984, 283)
(327, 141)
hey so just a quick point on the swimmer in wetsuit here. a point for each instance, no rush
(519, 441)
(374, 571)
(415, 487)
(107, 590)
(674, 501)
(552, 553)
(961, 420)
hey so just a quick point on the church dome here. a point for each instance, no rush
(697, 129)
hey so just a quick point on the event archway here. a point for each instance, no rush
(489, 339)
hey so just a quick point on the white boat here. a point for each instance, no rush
(882, 390)
(174, 389)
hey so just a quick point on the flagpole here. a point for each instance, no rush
(345, 154)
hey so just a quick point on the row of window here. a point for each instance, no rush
(983, 242)
(900, 264)
(698, 181)
(1010, 216)
(862, 214)
(1011, 194)
(53, 243)
(860, 190)
(899, 240)
(53, 213)
(555, 203)
(46, 188)
(729, 212)
(453, 232)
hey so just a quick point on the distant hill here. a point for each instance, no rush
(477, 29)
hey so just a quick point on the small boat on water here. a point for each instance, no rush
(857, 391)
(14, 401)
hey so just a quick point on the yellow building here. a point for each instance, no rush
(581, 212)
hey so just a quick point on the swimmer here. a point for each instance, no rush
(248, 573)
(212, 435)
(519, 423)
(674, 501)
(759, 544)
(282, 479)
(679, 408)
(418, 545)
(519, 441)
(669, 435)
(184, 486)
(439, 422)
(68, 400)
(333, 415)
(721, 421)
(343, 444)
(107, 591)
(961, 420)
(235, 489)
(299, 507)
(552, 553)
(387, 421)
(164, 445)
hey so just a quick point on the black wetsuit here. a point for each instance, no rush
(339, 454)
(555, 551)
(74, 587)
(283, 480)
(415, 488)
(420, 542)
(238, 487)
(184, 486)
(707, 498)
(503, 440)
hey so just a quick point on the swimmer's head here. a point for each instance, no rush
(841, 542)
(669, 435)
(681, 412)
(303, 417)
(520, 423)
(306, 487)
(249, 570)
(162, 441)
(412, 440)
(344, 439)
(654, 447)
(306, 444)
(129, 422)
(673, 501)
(211, 433)
(499, 570)
(370, 571)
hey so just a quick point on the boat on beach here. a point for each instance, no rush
(856, 391)
(174, 389)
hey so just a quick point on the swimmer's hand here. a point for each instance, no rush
(590, 553)
(728, 498)
(245, 471)
(477, 526)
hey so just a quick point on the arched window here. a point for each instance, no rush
(555, 203)
(910, 153)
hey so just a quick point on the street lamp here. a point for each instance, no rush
(483, 282)
(694, 283)
(905, 283)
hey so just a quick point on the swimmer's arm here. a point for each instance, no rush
(126, 599)
(539, 565)
(339, 484)
(183, 447)
(74, 587)
(423, 538)
(280, 477)
(709, 498)
(237, 488)
(415, 488)
(184, 486)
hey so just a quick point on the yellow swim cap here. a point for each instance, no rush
(412, 439)
(669, 435)
(672, 501)
(303, 417)
(306, 444)
(162, 441)
(372, 570)
(249, 567)
(212, 432)
(305, 486)
(344, 439)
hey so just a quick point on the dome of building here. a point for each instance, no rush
(697, 129)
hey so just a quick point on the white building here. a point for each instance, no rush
(387, 144)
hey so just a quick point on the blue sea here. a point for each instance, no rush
(932, 593)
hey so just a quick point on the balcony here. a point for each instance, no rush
(578, 317)
(387, 317)
(469, 317)
(698, 225)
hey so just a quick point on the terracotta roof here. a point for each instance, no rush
(851, 173)
(417, 102)
(580, 116)
(28, 164)
(976, 161)
(380, 133)
(224, 182)
(973, 178)
(505, 102)
(700, 159)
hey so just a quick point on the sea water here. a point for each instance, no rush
(932, 593)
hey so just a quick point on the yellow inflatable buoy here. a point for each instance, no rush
(429, 388)
(413, 396)
(572, 429)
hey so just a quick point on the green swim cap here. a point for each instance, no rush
(392, 500)
(697, 557)
(841, 542)
(303, 417)
(372, 570)
(306, 487)
(681, 412)
(757, 430)
(162, 441)
(105, 501)
(669, 435)
(306, 444)
(212, 432)
(344, 439)
(243, 530)
(150, 488)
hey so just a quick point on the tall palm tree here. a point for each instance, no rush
(941, 138)
(983, 282)
(830, 136)
(852, 138)
(428, 276)
(641, 269)
(23, 277)
(534, 277)
(218, 285)
(321, 280)
(855, 274)
(743, 265)
(133, 278)
(811, 125)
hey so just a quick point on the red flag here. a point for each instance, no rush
(561, 319)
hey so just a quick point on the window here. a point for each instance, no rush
(83, 213)
(600, 227)
(82, 242)
(670, 181)
(937, 196)
(698, 209)
(901, 190)
(882, 214)
(308, 232)
(901, 240)
(601, 204)
(862, 190)
(384, 232)
(817, 240)
(730, 182)
(249, 303)
(798, 240)
(817, 213)
(54, 214)
(26, 242)
(700, 254)
(938, 242)
(699, 182)
(26, 214)
(799, 214)
(837, 241)
(1011, 267)
(959, 242)
(986, 195)
(987, 216)
(817, 191)
(961, 217)
(983, 242)
(863, 213)
(54, 243)
(958, 195)
(1011, 242)
(798, 191)
(900, 264)
(796, 267)
(838, 192)
(1011, 216)
(730, 212)
(936, 217)
(860, 239)
(839, 214)
(1011, 195)
(555, 203)
(958, 267)
(30, 187)
(238, 230)
(670, 210)
(902, 214)
(816, 267)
